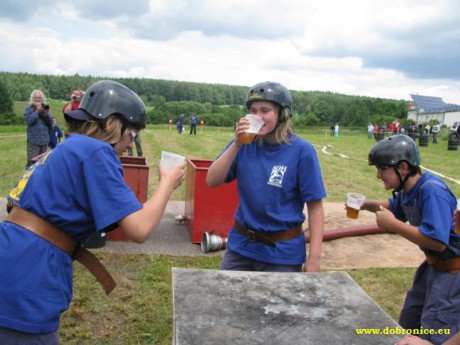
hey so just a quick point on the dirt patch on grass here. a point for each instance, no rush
(375, 250)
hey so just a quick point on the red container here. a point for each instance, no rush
(207, 209)
(136, 176)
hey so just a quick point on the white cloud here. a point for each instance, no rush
(386, 49)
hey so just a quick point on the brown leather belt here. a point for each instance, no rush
(448, 265)
(63, 241)
(269, 237)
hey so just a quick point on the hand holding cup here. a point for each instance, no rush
(354, 203)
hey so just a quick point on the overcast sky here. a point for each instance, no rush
(378, 48)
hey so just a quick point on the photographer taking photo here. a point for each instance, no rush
(39, 120)
(74, 103)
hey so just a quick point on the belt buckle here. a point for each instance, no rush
(251, 235)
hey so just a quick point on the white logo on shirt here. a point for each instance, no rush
(277, 176)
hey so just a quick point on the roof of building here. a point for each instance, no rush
(429, 104)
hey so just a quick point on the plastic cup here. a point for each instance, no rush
(169, 159)
(457, 223)
(354, 202)
(255, 124)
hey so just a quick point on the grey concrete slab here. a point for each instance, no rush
(242, 308)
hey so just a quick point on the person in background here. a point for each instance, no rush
(180, 124)
(193, 123)
(38, 119)
(336, 130)
(74, 103)
(277, 174)
(55, 134)
(435, 131)
(427, 129)
(370, 131)
(376, 130)
(422, 211)
(138, 143)
(51, 214)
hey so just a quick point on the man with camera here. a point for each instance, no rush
(39, 122)
(74, 103)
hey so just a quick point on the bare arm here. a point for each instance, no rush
(68, 107)
(139, 225)
(218, 170)
(386, 220)
(316, 226)
(374, 205)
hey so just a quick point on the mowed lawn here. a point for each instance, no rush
(139, 311)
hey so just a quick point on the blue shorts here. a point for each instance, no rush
(232, 261)
(10, 336)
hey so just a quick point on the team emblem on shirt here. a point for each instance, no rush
(277, 176)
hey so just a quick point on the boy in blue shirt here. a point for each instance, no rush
(55, 134)
(421, 211)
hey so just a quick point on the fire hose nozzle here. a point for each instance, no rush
(211, 242)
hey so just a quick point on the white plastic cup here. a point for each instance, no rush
(354, 203)
(255, 124)
(169, 159)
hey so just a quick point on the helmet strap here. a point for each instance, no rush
(402, 181)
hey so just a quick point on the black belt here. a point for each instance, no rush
(269, 237)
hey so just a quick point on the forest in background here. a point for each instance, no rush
(215, 104)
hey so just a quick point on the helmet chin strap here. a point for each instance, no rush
(402, 181)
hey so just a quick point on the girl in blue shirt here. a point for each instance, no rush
(88, 195)
(277, 174)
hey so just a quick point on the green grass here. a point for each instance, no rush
(139, 311)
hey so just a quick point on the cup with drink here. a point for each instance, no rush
(354, 203)
(255, 124)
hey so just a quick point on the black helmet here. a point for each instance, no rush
(392, 150)
(107, 97)
(269, 91)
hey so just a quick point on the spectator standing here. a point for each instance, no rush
(55, 134)
(336, 130)
(370, 131)
(427, 129)
(435, 131)
(38, 119)
(376, 130)
(193, 123)
(138, 143)
(384, 127)
(74, 103)
(180, 124)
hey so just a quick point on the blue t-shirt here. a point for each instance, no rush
(429, 205)
(274, 183)
(55, 136)
(88, 194)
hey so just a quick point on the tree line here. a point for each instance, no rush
(216, 104)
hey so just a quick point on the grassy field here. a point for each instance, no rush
(139, 311)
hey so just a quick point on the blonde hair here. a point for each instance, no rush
(97, 129)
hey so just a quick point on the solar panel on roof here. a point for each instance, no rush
(433, 104)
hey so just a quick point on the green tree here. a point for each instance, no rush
(6, 103)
